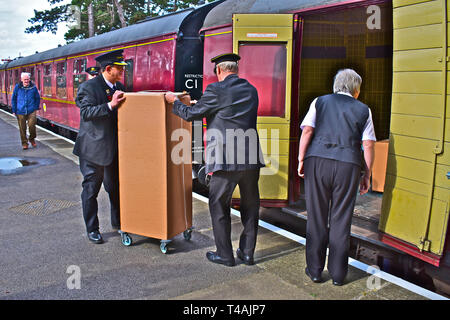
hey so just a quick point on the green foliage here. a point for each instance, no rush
(105, 15)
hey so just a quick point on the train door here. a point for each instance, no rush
(415, 209)
(265, 44)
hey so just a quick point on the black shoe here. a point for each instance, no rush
(248, 260)
(314, 279)
(338, 283)
(95, 237)
(214, 257)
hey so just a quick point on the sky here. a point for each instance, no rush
(14, 15)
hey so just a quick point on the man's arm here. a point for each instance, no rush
(37, 98)
(207, 105)
(89, 109)
(14, 100)
(305, 140)
(369, 155)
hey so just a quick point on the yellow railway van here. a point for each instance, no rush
(292, 49)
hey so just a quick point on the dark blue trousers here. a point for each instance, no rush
(93, 177)
(221, 190)
(331, 187)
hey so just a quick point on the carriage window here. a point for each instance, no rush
(129, 75)
(79, 66)
(61, 90)
(79, 74)
(16, 76)
(48, 80)
(11, 80)
(264, 66)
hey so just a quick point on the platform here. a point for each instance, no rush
(46, 254)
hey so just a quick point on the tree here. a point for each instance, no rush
(100, 16)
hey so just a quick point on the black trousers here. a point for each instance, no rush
(330, 189)
(221, 189)
(93, 177)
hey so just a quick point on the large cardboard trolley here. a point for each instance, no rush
(155, 171)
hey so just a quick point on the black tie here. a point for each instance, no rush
(114, 88)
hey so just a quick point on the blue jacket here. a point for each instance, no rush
(25, 100)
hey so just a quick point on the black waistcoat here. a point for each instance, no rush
(340, 121)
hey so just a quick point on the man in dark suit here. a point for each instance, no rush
(233, 155)
(330, 161)
(96, 144)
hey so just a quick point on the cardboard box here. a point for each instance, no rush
(379, 165)
(155, 192)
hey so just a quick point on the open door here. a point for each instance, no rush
(264, 42)
(415, 208)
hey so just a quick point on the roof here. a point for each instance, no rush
(223, 13)
(149, 28)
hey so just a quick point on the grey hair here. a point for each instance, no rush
(347, 80)
(23, 74)
(230, 66)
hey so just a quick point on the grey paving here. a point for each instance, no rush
(41, 253)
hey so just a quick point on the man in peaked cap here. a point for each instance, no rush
(233, 155)
(96, 144)
(93, 71)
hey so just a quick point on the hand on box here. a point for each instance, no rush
(170, 97)
(117, 99)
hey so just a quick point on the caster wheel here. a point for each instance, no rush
(126, 239)
(187, 234)
(163, 247)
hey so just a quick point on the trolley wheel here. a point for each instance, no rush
(126, 239)
(163, 246)
(187, 234)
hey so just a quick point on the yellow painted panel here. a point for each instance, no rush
(417, 82)
(418, 60)
(412, 103)
(401, 146)
(273, 180)
(416, 15)
(399, 3)
(444, 158)
(276, 129)
(416, 126)
(441, 176)
(274, 146)
(438, 226)
(447, 129)
(393, 181)
(441, 194)
(420, 37)
(413, 169)
(403, 215)
(254, 20)
(266, 34)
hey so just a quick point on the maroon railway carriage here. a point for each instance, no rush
(163, 53)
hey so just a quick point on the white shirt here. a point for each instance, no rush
(310, 120)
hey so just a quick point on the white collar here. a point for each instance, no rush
(346, 93)
(108, 83)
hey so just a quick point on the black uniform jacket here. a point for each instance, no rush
(230, 108)
(97, 137)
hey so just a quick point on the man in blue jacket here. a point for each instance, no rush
(25, 102)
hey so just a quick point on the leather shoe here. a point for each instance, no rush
(248, 260)
(95, 237)
(314, 279)
(214, 257)
(33, 143)
(338, 283)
